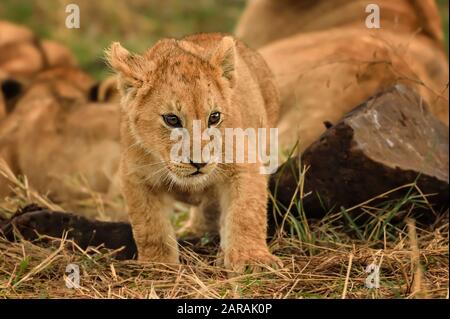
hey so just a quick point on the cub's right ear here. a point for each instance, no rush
(128, 66)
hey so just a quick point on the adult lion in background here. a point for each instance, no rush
(266, 21)
(22, 57)
(326, 61)
(55, 135)
(19, 61)
(58, 127)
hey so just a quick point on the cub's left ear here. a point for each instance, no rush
(130, 67)
(224, 56)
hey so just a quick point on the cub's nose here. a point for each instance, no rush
(197, 165)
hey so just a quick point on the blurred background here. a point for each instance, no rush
(137, 24)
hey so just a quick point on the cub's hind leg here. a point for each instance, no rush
(203, 219)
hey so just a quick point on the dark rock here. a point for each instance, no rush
(389, 141)
(33, 221)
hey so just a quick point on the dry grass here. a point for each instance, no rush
(29, 271)
(324, 262)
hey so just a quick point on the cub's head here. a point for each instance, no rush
(178, 86)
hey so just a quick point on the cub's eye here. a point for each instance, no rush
(214, 118)
(172, 120)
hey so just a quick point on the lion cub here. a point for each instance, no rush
(219, 82)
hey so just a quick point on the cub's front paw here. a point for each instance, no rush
(163, 259)
(165, 256)
(237, 260)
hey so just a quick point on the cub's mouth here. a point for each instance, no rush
(188, 175)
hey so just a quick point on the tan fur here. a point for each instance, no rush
(57, 55)
(20, 55)
(193, 77)
(10, 33)
(54, 135)
(266, 21)
(23, 55)
(21, 60)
